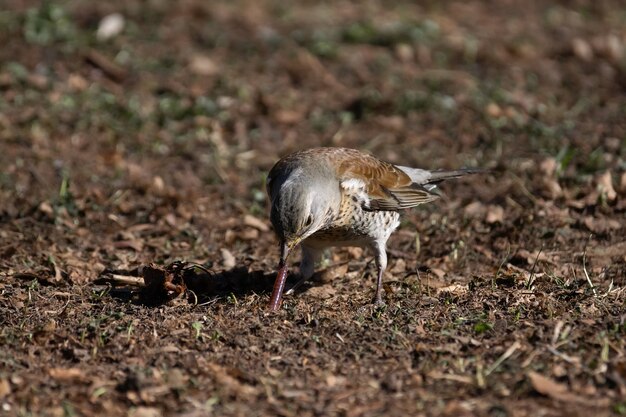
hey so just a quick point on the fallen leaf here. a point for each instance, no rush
(66, 374)
(46, 208)
(495, 214)
(5, 388)
(605, 186)
(203, 65)
(550, 388)
(603, 255)
(145, 412)
(136, 245)
(601, 225)
(405, 52)
(228, 260)
(252, 221)
(456, 289)
(249, 234)
(332, 272)
(110, 26)
(322, 292)
(532, 257)
(226, 380)
(439, 273)
(548, 166)
(289, 117)
(493, 110)
(475, 209)
(552, 188)
(582, 49)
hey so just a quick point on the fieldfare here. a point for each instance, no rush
(324, 197)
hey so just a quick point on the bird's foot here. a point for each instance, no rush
(374, 307)
(378, 299)
(379, 303)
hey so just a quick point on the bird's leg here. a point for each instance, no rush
(381, 264)
(310, 256)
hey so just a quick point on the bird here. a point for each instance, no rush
(331, 196)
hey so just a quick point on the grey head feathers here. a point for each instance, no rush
(303, 199)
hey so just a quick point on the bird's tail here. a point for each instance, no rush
(430, 179)
(438, 176)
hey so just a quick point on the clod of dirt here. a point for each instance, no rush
(164, 282)
(173, 280)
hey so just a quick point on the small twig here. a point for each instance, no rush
(593, 288)
(451, 377)
(516, 345)
(480, 376)
(530, 358)
(126, 280)
(532, 271)
(566, 358)
(195, 297)
(504, 260)
(210, 302)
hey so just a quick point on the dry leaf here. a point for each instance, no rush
(533, 257)
(456, 289)
(605, 186)
(405, 52)
(252, 221)
(332, 272)
(136, 245)
(322, 292)
(439, 273)
(203, 65)
(604, 254)
(66, 374)
(46, 208)
(146, 412)
(226, 380)
(548, 166)
(475, 209)
(493, 110)
(288, 117)
(228, 260)
(495, 214)
(249, 234)
(582, 49)
(552, 188)
(550, 388)
(5, 388)
(601, 225)
(110, 26)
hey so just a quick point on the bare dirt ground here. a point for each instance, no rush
(504, 298)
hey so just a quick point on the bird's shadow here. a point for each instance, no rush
(199, 285)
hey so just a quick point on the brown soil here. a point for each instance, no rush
(123, 156)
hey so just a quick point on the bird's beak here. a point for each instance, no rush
(281, 277)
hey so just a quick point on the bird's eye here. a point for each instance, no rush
(309, 220)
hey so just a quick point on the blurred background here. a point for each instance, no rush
(171, 113)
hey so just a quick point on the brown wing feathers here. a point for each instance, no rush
(388, 187)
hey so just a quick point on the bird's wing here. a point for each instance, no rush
(386, 186)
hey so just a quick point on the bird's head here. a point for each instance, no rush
(301, 205)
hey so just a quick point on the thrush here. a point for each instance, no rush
(324, 197)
